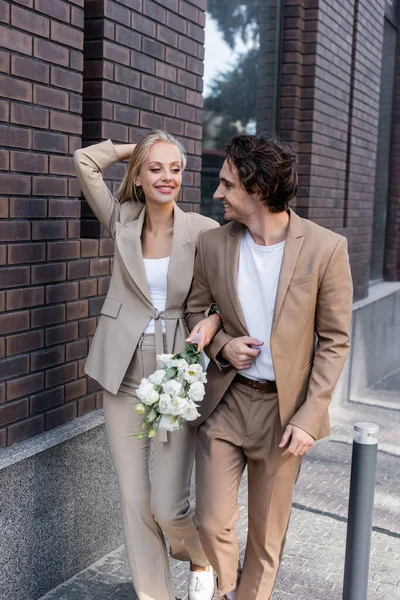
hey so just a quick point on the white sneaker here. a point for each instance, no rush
(201, 585)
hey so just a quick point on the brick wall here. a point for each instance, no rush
(392, 263)
(363, 138)
(42, 306)
(142, 69)
(329, 112)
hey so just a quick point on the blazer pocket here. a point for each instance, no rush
(111, 307)
(303, 279)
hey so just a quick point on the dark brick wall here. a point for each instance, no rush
(143, 69)
(363, 138)
(392, 262)
(44, 310)
(332, 52)
(383, 152)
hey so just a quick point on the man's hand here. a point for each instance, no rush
(239, 354)
(300, 441)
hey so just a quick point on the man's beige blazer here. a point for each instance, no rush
(311, 323)
(127, 308)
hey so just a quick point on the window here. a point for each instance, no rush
(242, 54)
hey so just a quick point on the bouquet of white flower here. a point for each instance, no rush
(168, 397)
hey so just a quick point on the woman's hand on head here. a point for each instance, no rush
(124, 151)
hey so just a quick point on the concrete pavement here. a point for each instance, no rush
(312, 568)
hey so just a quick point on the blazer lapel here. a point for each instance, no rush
(181, 264)
(232, 262)
(130, 248)
(294, 243)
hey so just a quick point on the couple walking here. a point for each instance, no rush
(270, 294)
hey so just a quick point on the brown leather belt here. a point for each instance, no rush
(257, 386)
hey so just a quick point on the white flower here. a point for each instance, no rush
(193, 373)
(165, 360)
(147, 393)
(172, 387)
(191, 413)
(174, 406)
(196, 391)
(152, 398)
(157, 377)
(165, 404)
(181, 364)
(140, 408)
(178, 406)
(144, 389)
(169, 423)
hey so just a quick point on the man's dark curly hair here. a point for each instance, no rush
(265, 166)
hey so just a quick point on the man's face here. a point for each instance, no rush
(238, 204)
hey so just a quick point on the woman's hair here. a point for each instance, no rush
(265, 166)
(128, 190)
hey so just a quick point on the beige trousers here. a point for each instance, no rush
(162, 504)
(244, 430)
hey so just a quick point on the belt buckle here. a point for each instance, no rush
(255, 385)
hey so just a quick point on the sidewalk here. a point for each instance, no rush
(312, 568)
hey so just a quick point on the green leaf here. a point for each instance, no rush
(152, 416)
(170, 373)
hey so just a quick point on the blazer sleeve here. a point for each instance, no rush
(199, 301)
(89, 163)
(332, 327)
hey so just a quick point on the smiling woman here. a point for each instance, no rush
(142, 316)
(158, 152)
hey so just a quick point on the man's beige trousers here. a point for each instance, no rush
(243, 430)
(162, 504)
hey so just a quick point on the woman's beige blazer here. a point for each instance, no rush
(127, 308)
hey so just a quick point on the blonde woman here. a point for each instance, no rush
(143, 315)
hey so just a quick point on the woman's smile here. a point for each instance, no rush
(165, 189)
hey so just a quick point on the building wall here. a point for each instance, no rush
(330, 110)
(119, 68)
(43, 303)
(392, 262)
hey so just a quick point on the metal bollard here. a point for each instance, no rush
(361, 504)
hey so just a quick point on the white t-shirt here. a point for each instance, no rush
(156, 273)
(257, 282)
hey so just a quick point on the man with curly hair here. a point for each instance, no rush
(283, 288)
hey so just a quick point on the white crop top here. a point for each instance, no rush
(156, 273)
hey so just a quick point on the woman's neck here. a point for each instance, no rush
(159, 218)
